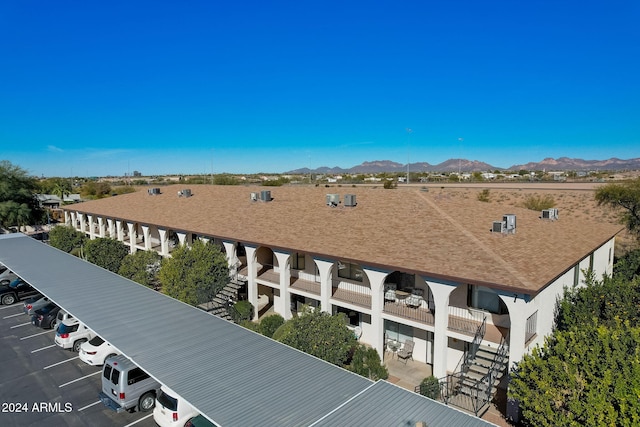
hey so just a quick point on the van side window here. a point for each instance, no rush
(136, 375)
(107, 371)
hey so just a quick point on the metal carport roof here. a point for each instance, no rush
(230, 374)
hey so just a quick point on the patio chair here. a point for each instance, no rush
(415, 299)
(390, 292)
(406, 352)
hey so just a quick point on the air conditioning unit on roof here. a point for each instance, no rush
(265, 196)
(184, 193)
(333, 200)
(510, 222)
(254, 197)
(498, 227)
(350, 200)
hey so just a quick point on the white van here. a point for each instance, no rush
(126, 387)
(171, 410)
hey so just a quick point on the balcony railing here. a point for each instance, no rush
(305, 285)
(420, 314)
(268, 273)
(352, 293)
(465, 320)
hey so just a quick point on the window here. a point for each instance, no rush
(350, 271)
(531, 327)
(135, 375)
(484, 298)
(576, 275)
(297, 261)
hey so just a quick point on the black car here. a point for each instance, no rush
(45, 317)
(16, 291)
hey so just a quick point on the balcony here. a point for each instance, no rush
(419, 314)
(267, 273)
(308, 286)
(466, 320)
(352, 293)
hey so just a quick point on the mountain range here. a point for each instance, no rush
(464, 165)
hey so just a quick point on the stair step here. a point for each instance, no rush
(233, 285)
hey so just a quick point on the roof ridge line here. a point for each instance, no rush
(467, 233)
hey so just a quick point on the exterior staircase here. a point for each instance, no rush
(475, 385)
(218, 306)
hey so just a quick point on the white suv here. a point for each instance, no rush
(96, 351)
(71, 334)
(171, 410)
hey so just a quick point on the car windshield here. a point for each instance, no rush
(96, 341)
(47, 308)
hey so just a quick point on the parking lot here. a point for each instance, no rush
(42, 384)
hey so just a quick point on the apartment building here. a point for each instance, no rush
(435, 266)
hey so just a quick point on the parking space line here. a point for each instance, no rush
(89, 405)
(21, 324)
(137, 421)
(9, 306)
(43, 348)
(34, 335)
(60, 363)
(12, 315)
(78, 379)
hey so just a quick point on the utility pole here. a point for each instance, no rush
(409, 131)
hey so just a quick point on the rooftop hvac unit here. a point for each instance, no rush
(498, 227)
(547, 214)
(555, 212)
(350, 200)
(333, 200)
(153, 191)
(510, 223)
(254, 197)
(265, 195)
(184, 193)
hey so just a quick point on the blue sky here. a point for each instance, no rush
(105, 88)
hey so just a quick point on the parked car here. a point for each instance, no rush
(199, 421)
(34, 303)
(171, 410)
(45, 317)
(71, 334)
(16, 291)
(126, 387)
(6, 276)
(61, 317)
(96, 351)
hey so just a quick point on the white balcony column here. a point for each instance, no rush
(519, 311)
(205, 239)
(324, 268)
(74, 219)
(284, 302)
(147, 237)
(182, 238)
(252, 285)
(164, 241)
(376, 281)
(92, 230)
(120, 230)
(101, 227)
(67, 218)
(232, 258)
(441, 293)
(111, 226)
(132, 237)
(83, 222)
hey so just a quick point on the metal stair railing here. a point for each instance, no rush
(484, 386)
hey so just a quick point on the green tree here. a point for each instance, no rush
(95, 190)
(105, 252)
(269, 324)
(319, 334)
(18, 203)
(587, 376)
(628, 267)
(66, 238)
(366, 362)
(430, 387)
(194, 274)
(624, 198)
(141, 267)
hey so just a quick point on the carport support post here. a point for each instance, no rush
(440, 292)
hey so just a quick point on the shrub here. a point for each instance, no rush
(366, 362)
(242, 310)
(269, 324)
(430, 387)
(484, 195)
(389, 184)
(538, 203)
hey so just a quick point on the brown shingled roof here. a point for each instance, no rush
(429, 233)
